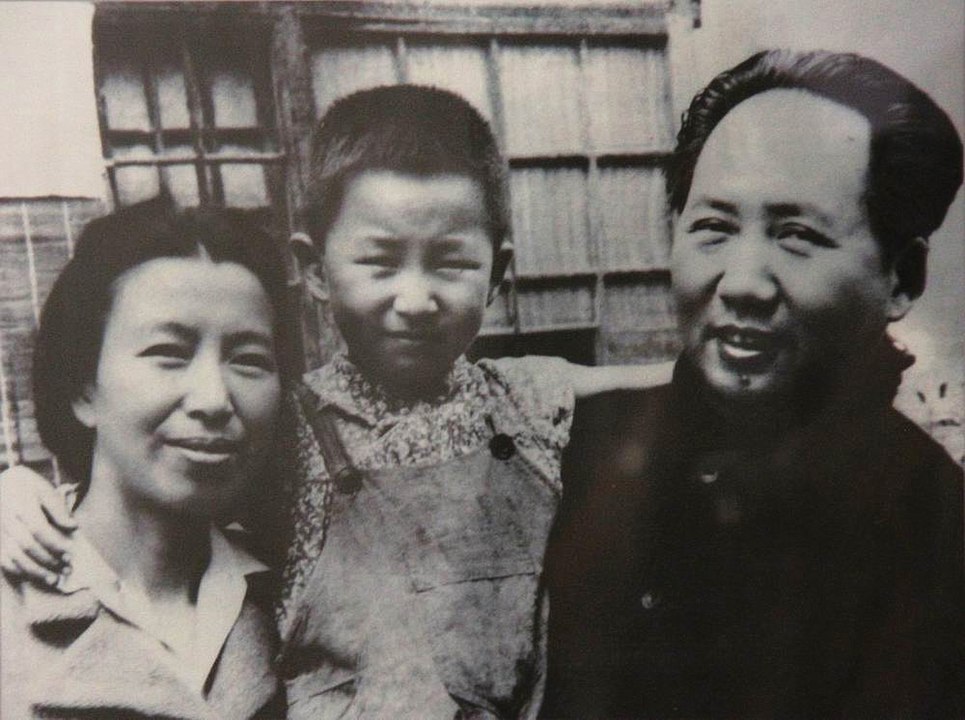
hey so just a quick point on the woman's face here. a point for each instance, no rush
(187, 389)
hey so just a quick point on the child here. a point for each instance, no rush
(426, 485)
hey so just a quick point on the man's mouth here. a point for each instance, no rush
(206, 450)
(747, 348)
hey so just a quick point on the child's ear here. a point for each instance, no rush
(907, 278)
(83, 407)
(501, 260)
(309, 263)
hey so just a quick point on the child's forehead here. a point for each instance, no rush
(440, 202)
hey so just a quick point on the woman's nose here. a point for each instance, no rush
(414, 295)
(206, 394)
(747, 277)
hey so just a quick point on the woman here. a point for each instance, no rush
(158, 387)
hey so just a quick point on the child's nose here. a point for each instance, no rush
(414, 295)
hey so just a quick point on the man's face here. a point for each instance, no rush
(776, 272)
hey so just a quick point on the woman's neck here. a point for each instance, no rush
(164, 554)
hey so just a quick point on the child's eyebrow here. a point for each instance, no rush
(436, 245)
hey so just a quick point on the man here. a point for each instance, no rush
(766, 536)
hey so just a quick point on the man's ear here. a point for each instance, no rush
(309, 263)
(501, 260)
(907, 277)
(83, 408)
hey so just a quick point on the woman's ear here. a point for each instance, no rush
(907, 277)
(83, 407)
(308, 262)
(501, 261)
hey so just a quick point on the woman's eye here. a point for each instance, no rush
(168, 351)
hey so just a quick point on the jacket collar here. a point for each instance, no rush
(106, 664)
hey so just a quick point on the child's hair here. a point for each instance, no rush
(410, 129)
(68, 344)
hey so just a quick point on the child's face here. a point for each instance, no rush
(408, 262)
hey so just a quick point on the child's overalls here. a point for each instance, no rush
(426, 601)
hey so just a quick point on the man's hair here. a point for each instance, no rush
(75, 315)
(411, 129)
(916, 154)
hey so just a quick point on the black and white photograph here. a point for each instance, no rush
(482, 359)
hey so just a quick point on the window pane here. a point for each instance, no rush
(635, 232)
(460, 68)
(541, 96)
(172, 97)
(125, 101)
(233, 98)
(182, 180)
(244, 184)
(135, 183)
(628, 101)
(340, 70)
(549, 220)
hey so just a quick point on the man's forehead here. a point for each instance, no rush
(787, 147)
(791, 123)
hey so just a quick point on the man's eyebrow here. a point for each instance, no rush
(784, 210)
(717, 204)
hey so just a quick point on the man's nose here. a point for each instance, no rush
(206, 395)
(415, 295)
(748, 279)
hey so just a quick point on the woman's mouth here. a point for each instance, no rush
(208, 451)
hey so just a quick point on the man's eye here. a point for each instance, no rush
(167, 351)
(801, 239)
(712, 224)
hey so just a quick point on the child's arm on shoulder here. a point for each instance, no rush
(35, 527)
(587, 381)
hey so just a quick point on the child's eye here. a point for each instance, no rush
(378, 261)
(254, 360)
(457, 264)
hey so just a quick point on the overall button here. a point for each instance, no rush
(707, 478)
(348, 481)
(648, 601)
(502, 446)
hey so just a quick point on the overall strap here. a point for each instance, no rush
(343, 473)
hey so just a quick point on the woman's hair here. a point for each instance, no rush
(406, 129)
(916, 155)
(74, 317)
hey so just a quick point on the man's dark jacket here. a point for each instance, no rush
(811, 572)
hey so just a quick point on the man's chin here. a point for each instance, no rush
(745, 389)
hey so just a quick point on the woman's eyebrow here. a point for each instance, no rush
(171, 327)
